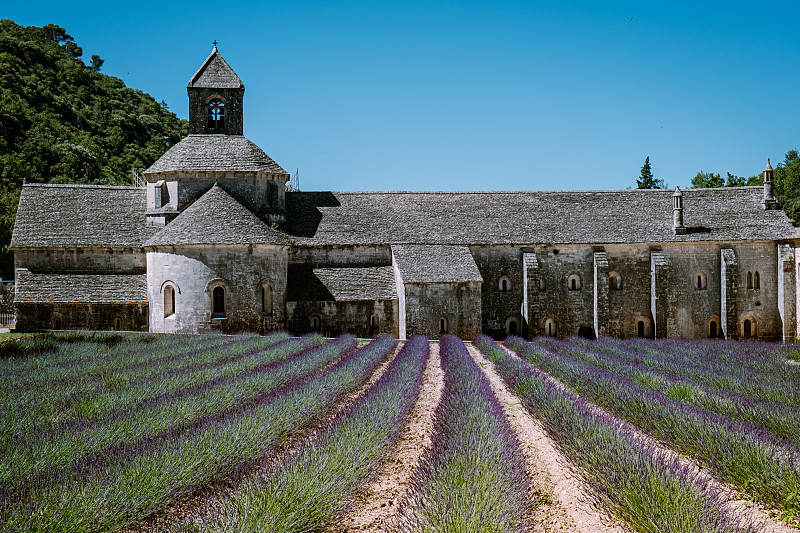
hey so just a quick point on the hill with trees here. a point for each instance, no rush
(62, 121)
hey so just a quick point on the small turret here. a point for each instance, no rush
(677, 212)
(769, 201)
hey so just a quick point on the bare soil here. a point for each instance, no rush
(375, 508)
(564, 503)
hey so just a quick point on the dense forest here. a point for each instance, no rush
(62, 121)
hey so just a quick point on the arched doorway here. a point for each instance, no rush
(640, 329)
(586, 332)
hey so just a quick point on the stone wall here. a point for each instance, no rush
(427, 303)
(196, 270)
(83, 316)
(320, 256)
(336, 318)
(497, 306)
(198, 110)
(83, 260)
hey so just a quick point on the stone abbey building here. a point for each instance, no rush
(216, 242)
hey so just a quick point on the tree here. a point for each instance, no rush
(96, 63)
(646, 179)
(709, 180)
(787, 185)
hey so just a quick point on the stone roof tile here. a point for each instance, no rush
(215, 153)
(216, 218)
(80, 288)
(435, 264)
(530, 217)
(215, 73)
(337, 284)
(73, 216)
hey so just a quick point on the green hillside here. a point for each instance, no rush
(62, 121)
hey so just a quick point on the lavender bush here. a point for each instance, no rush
(737, 452)
(639, 483)
(472, 478)
(114, 490)
(307, 490)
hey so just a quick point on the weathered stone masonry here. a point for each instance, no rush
(216, 242)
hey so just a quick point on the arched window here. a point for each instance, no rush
(56, 322)
(216, 114)
(640, 329)
(748, 328)
(316, 323)
(266, 299)
(442, 325)
(614, 281)
(574, 282)
(550, 328)
(756, 280)
(749, 280)
(117, 324)
(169, 300)
(374, 321)
(540, 282)
(505, 284)
(218, 302)
(700, 281)
(512, 326)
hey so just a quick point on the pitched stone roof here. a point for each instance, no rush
(530, 217)
(435, 264)
(338, 284)
(80, 288)
(71, 216)
(216, 218)
(215, 73)
(215, 153)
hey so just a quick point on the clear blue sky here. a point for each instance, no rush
(473, 95)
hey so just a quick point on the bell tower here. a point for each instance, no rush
(215, 98)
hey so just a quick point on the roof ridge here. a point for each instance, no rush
(561, 191)
(81, 186)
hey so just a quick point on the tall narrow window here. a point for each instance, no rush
(218, 302)
(216, 114)
(169, 301)
(505, 284)
(756, 280)
(701, 282)
(442, 326)
(266, 299)
(712, 329)
(614, 281)
(640, 329)
(550, 328)
(117, 324)
(316, 323)
(749, 280)
(374, 321)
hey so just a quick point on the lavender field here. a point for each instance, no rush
(114, 432)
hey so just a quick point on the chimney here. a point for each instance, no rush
(677, 212)
(769, 201)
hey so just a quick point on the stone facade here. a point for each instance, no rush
(216, 242)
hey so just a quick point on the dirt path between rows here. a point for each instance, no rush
(375, 508)
(734, 506)
(191, 513)
(564, 503)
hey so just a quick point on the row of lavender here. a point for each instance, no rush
(719, 403)
(307, 489)
(205, 418)
(636, 481)
(473, 477)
